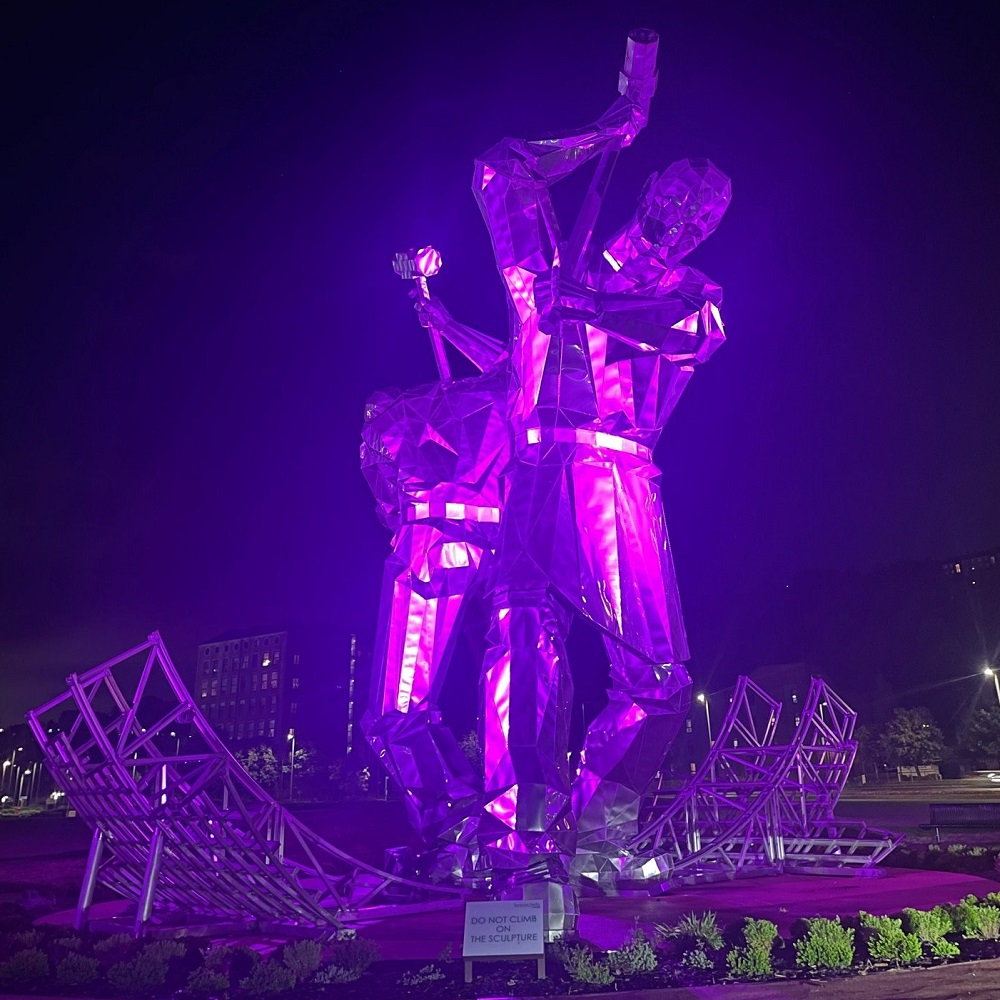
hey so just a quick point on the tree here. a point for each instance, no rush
(981, 736)
(261, 764)
(869, 751)
(911, 738)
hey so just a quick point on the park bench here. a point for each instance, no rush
(985, 815)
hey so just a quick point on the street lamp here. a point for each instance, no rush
(990, 672)
(36, 781)
(3, 779)
(291, 765)
(177, 752)
(703, 698)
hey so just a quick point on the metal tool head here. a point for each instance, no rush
(425, 262)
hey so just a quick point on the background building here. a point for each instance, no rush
(255, 687)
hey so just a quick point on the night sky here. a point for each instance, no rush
(200, 208)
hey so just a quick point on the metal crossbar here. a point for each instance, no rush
(190, 837)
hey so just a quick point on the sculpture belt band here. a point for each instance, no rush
(451, 512)
(596, 439)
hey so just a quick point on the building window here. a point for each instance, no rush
(295, 659)
(270, 728)
(687, 726)
(294, 707)
(204, 690)
(295, 682)
(274, 678)
(253, 681)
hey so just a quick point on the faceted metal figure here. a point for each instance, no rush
(432, 456)
(603, 343)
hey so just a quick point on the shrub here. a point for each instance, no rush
(114, 942)
(71, 943)
(219, 957)
(206, 980)
(929, 925)
(77, 970)
(635, 956)
(753, 960)
(989, 922)
(698, 959)
(943, 948)
(354, 956)
(582, 967)
(165, 949)
(25, 939)
(268, 977)
(334, 974)
(977, 920)
(703, 929)
(303, 958)
(138, 975)
(825, 945)
(423, 977)
(888, 942)
(24, 966)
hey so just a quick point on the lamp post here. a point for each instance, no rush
(990, 672)
(703, 698)
(291, 765)
(3, 779)
(177, 736)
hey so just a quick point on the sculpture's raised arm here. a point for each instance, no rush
(511, 179)
(482, 350)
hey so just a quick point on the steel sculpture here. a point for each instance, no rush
(537, 473)
(603, 343)
(189, 837)
(433, 456)
(755, 807)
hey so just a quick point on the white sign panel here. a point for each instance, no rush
(505, 927)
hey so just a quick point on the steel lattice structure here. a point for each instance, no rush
(190, 837)
(755, 807)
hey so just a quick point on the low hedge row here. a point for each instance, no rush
(694, 949)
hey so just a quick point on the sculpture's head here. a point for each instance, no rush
(681, 206)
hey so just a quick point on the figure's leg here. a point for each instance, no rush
(426, 581)
(625, 747)
(527, 697)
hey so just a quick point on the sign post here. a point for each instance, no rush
(504, 929)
